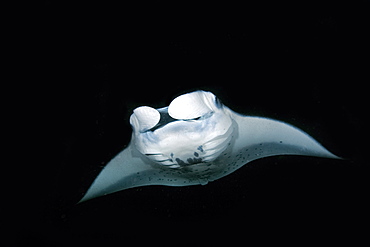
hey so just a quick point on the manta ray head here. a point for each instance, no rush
(193, 129)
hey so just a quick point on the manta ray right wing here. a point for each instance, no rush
(258, 137)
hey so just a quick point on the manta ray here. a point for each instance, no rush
(196, 140)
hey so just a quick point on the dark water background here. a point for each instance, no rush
(300, 62)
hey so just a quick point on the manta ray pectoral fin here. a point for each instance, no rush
(258, 137)
(280, 138)
(130, 169)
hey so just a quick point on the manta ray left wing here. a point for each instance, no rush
(130, 169)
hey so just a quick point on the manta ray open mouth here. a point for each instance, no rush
(165, 118)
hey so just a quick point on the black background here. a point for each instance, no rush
(302, 62)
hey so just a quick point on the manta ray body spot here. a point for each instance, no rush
(190, 161)
(194, 160)
(200, 148)
(180, 162)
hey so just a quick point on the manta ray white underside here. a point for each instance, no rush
(196, 140)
